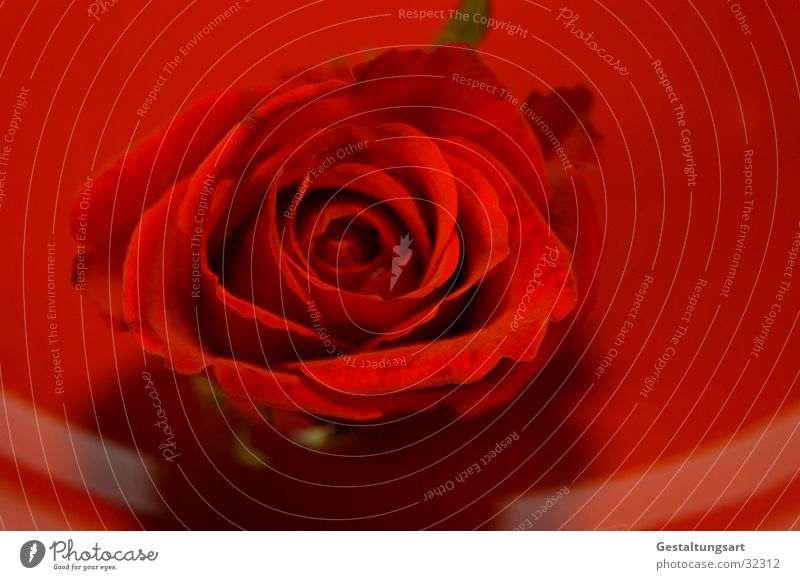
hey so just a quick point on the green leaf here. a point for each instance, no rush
(463, 26)
(208, 389)
(317, 437)
(245, 452)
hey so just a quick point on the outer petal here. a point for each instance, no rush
(122, 193)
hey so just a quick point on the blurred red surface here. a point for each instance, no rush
(85, 80)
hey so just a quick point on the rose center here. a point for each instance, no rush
(347, 243)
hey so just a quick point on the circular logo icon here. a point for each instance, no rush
(31, 553)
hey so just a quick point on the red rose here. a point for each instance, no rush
(351, 246)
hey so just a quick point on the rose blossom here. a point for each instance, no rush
(363, 244)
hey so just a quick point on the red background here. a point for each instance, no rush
(86, 80)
